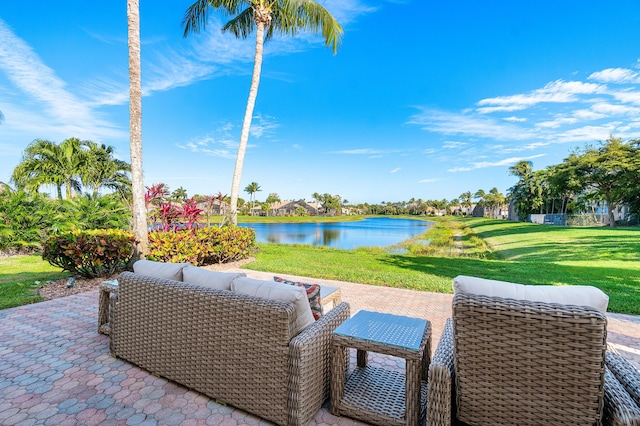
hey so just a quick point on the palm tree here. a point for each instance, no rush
(466, 199)
(138, 208)
(267, 17)
(46, 163)
(251, 189)
(103, 171)
(179, 194)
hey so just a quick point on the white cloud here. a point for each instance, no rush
(616, 75)
(587, 115)
(63, 110)
(453, 145)
(627, 96)
(515, 119)
(558, 91)
(428, 180)
(498, 163)
(449, 123)
(346, 11)
(223, 148)
(588, 133)
(559, 121)
(613, 109)
(263, 126)
(396, 170)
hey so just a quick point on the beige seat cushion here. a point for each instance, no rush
(579, 295)
(277, 291)
(211, 279)
(170, 271)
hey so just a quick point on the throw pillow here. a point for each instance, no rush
(170, 271)
(276, 291)
(210, 279)
(579, 295)
(313, 294)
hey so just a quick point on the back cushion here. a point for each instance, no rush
(276, 291)
(566, 295)
(170, 271)
(210, 279)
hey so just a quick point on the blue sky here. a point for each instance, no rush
(424, 99)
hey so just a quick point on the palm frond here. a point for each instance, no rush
(242, 25)
(293, 15)
(195, 17)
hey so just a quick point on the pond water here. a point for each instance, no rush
(370, 232)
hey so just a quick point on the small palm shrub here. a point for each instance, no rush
(91, 254)
(203, 246)
(24, 221)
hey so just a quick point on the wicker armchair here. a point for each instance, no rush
(512, 362)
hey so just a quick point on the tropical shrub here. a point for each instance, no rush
(25, 220)
(204, 246)
(91, 254)
(96, 212)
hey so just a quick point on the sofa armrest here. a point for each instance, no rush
(619, 407)
(441, 393)
(627, 374)
(621, 392)
(309, 364)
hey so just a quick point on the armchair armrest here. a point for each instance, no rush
(309, 365)
(441, 393)
(621, 392)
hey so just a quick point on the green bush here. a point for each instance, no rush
(204, 246)
(24, 221)
(94, 253)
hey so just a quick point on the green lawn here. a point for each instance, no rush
(18, 279)
(525, 253)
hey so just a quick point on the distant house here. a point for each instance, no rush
(292, 208)
(214, 208)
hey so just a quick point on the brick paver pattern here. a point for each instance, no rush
(55, 369)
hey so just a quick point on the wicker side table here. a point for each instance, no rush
(108, 293)
(374, 394)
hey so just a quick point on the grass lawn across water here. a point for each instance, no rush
(510, 251)
(519, 252)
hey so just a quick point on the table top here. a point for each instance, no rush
(109, 285)
(387, 329)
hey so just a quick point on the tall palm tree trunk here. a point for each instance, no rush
(246, 124)
(135, 131)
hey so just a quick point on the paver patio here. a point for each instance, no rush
(55, 369)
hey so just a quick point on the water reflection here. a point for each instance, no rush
(371, 232)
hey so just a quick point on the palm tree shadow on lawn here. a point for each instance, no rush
(621, 285)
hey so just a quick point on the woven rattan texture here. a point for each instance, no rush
(622, 392)
(373, 394)
(527, 363)
(377, 395)
(441, 376)
(229, 346)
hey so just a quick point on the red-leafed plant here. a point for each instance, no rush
(190, 213)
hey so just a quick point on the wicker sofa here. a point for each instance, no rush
(239, 349)
(505, 361)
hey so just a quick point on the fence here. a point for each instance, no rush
(563, 219)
